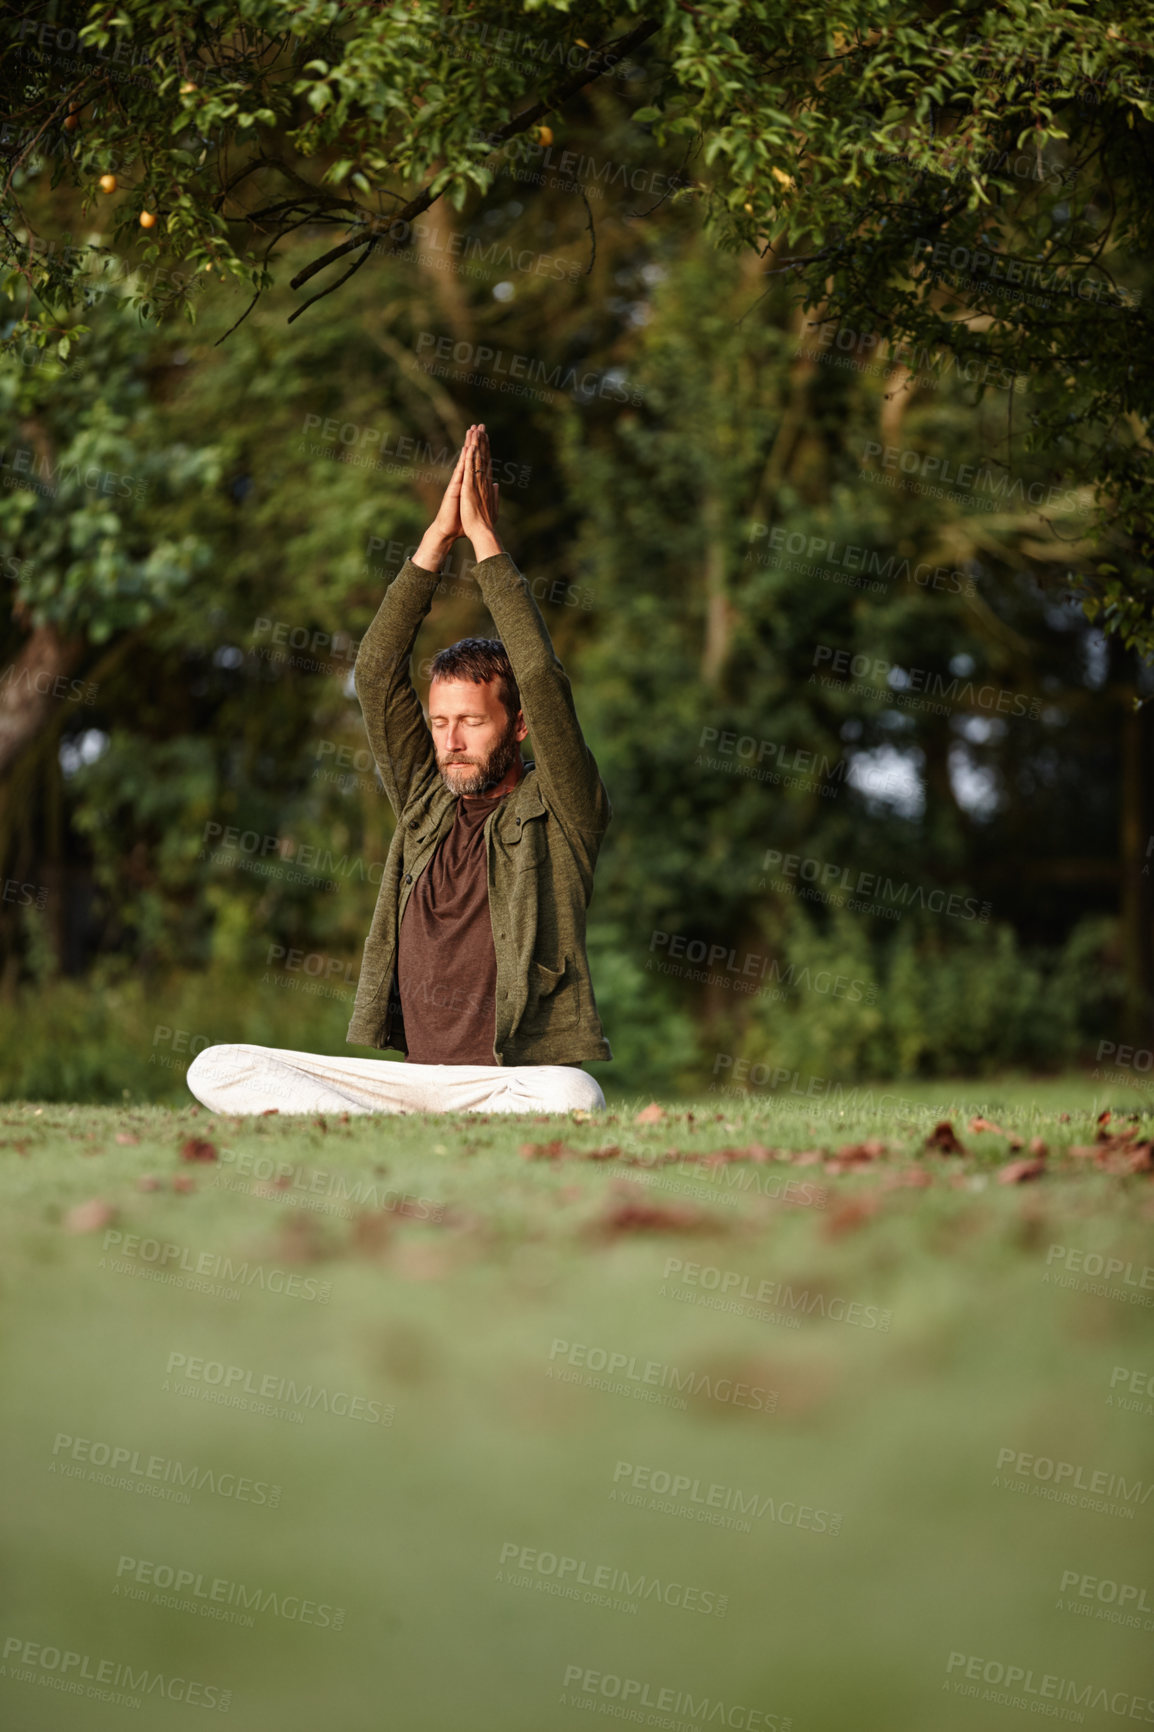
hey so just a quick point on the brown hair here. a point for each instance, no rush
(479, 659)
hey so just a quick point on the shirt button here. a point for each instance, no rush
(408, 877)
(412, 823)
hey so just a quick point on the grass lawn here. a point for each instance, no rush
(405, 1424)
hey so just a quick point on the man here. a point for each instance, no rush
(475, 963)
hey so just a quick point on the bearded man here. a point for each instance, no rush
(475, 966)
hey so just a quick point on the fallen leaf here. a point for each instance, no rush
(543, 1151)
(848, 1216)
(1017, 1172)
(915, 1176)
(1104, 1118)
(857, 1152)
(609, 1153)
(650, 1115)
(981, 1124)
(126, 1137)
(268, 1112)
(634, 1212)
(372, 1232)
(183, 1182)
(89, 1217)
(944, 1139)
(198, 1149)
(1038, 1147)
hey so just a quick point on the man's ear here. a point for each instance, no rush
(521, 729)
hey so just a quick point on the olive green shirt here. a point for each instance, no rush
(542, 839)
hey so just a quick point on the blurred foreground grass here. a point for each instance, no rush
(566, 1438)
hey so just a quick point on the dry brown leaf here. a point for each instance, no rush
(124, 1138)
(848, 1216)
(945, 1140)
(543, 1151)
(89, 1217)
(633, 1211)
(198, 1149)
(650, 1115)
(1017, 1172)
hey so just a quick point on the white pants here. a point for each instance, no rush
(255, 1079)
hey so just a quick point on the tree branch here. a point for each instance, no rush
(599, 61)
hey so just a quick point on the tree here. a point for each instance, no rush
(961, 182)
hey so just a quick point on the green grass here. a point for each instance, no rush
(493, 1437)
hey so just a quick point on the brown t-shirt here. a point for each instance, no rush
(446, 963)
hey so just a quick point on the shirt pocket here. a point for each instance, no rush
(530, 849)
(554, 996)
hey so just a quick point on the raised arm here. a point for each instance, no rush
(565, 766)
(394, 721)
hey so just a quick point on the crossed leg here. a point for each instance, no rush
(256, 1079)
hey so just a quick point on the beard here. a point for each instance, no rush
(484, 773)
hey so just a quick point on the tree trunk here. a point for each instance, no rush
(30, 686)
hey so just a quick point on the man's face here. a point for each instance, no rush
(477, 744)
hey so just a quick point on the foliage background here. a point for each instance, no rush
(662, 407)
